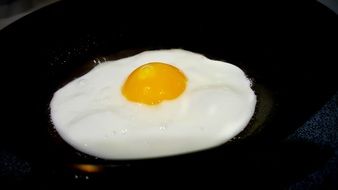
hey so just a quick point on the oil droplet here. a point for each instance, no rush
(87, 177)
(164, 127)
(76, 176)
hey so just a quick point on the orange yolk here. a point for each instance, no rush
(153, 83)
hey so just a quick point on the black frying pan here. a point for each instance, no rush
(288, 51)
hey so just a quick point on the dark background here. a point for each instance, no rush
(289, 48)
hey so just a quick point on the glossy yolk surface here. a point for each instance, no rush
(153, 83)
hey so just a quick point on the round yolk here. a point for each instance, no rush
(154, 82)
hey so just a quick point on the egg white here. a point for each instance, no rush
(91, 114)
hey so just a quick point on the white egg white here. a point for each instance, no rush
(91, 114)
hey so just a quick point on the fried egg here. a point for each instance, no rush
(153, 104)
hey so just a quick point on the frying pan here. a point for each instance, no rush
(288, 50)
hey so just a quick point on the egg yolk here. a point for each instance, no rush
(153, 83)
